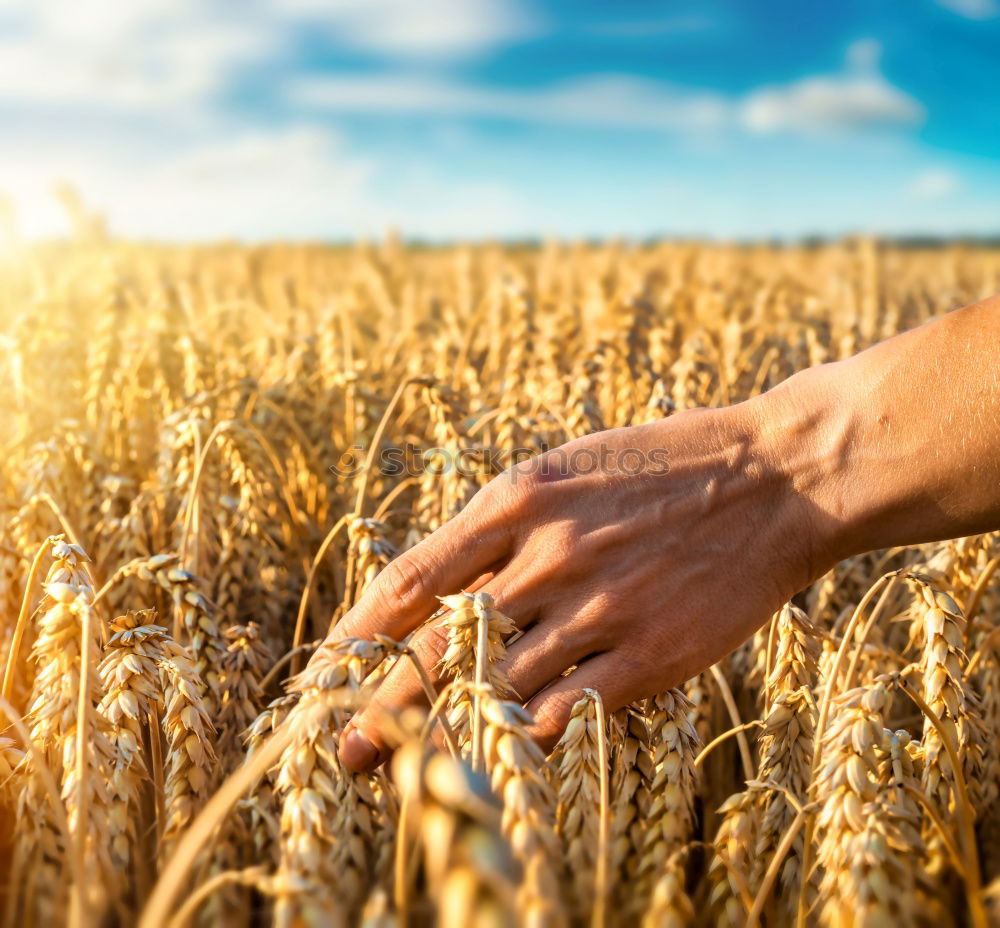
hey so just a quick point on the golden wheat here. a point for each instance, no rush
(166, 760)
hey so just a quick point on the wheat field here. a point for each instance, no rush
(186, 508)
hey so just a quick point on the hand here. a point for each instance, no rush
(639, 556)
(641, 579)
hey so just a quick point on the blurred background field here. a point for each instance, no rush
(177, 437)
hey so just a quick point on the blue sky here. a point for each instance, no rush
(266, 119)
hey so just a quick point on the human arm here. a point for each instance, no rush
(640, 580)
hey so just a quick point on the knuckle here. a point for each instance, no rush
(429, 645)
(518, 491)
(598, 634)
(481, 504)
(649, 659)
(404, 583)
(551, 714)
(564, 548)
(488, 508)
(605, 620)
(512, 496)
(550, 560)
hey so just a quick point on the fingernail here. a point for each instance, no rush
(357, 753)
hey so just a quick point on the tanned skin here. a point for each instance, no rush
(642, 580)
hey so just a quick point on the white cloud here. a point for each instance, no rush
(411, 29)
(131, 54)
(602, 100)
(175, 73)
(820, 104)
(283, 180)
(858, 98)
(106, 54)
(972, 9)
(934, 184)
(297, 183)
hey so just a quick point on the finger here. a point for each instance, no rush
(403, 685)
(405, 593)
(541, 656)
(551, 708)
(367, 746)
(549, 648)
(476, 585)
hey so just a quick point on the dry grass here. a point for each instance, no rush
(177, 527)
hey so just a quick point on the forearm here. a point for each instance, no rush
(900, 444)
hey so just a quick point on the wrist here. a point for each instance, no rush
(894, 446)
(806, 432)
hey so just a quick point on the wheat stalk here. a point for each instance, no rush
(578, 813)
(670, 906)
(132, 696)
(731, 864)
(194, 614)
(515, 764)
(468, 612)
(633, 770)
(946, 691)
(370, 551)
(63, 720)
(846, 785)
(470, 872)
(881, 881)
(240, 695)
(327, 814)
(188, 727)
(669, 821)
(786, 747)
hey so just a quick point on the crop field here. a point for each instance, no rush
(208, 454)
